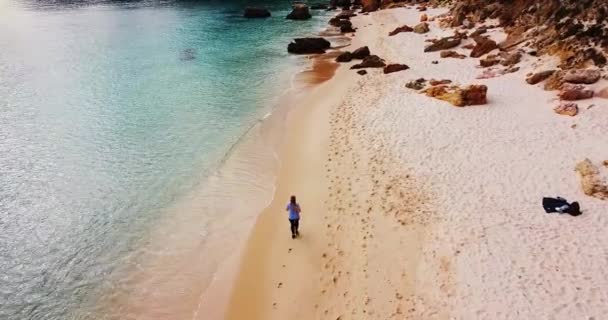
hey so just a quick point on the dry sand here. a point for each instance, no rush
(414, 209)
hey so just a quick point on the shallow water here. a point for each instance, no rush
(115, 119)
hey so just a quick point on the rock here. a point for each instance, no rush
(346, 14)
(347, 28)
(468, 24)
(489, 61)
(422, 8)
(443, 44)
(571, 93)
(252, 12)
(299, 12)
(478, 32)
(424, 17)
(469, 46)
(372, 61)
(362, 72)
(395, 68)
(602, 93)
(422, 28)
(555, 81)
(483, 46)
(586, 76)
(434, 82)
(591, 181)
(370, 5)
(417, 84)
(318, 6)
(435, 62)
(511, 59)
(471, 95)
(451, 54)
(404, 28)
(567, 109)
(539, 76)
(361, 53)
(344, 57)
(308, 45)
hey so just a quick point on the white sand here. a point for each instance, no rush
(432, 211)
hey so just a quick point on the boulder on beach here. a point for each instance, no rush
(395, 67)
(451, 54)
(443, 44)
(372, 61)
(252, 12)
(483, 45)
(370, 5)
(510, 59)
(417, 84)
(539, 76)
(344, 57)
(361, 53)
(577, 92)
(308, 45)
(424, 17)
(422, 28)
(299, 11)
(490, 60)
(404, 28)
(346, 28)
(591, 181)
(567, 109)
(584, 76)
(460, 97)
(362, 72)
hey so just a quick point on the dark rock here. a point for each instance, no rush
(404, 28)
(443, 44)
(571, 93)
(478, 32)
(361, 53)
(372, 61)
(318, 6)
(344, 57)
(490, 60)
(417, 84)
(370, 5)
(362, 72)
(299, 12)
(435, 62)
(395, 68)
(451, 54)
(251, 12)
(483, 46)
(308, 45)
(511, 59)
(347, 28)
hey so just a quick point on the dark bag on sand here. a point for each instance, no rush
(561, 205)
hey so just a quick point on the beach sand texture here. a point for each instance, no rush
(415, 209)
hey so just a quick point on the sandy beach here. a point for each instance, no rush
(416, 209)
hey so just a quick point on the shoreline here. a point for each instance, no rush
(415, 209)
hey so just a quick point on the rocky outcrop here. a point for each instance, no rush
(567, 109)
(460, 97)
(483, 45)
(404, 28)
(299, 11)
(422, 28)
(451, 54)
(395, 68)
(584, 76)
(344, 57)
(252, 12)
(571, 93)
(591, 181)
(308, 45)
(539, 76)
(370, 5)
(361, 53)
(372, 61)
(443, 44)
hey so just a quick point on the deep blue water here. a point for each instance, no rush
(109, 112)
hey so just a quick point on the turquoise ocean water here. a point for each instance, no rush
(110, 114)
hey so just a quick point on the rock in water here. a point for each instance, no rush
(318, 6)
(361, 53)
(308, 45)
(344, 57)
(422, 28)
(591, 181)
(251, 12)
(539, 76)
(483, 46)
(404, 28)
(372, 61)
(395, 68)
(586, 76)
(567, 109)
(443, 44)
(299, 12)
